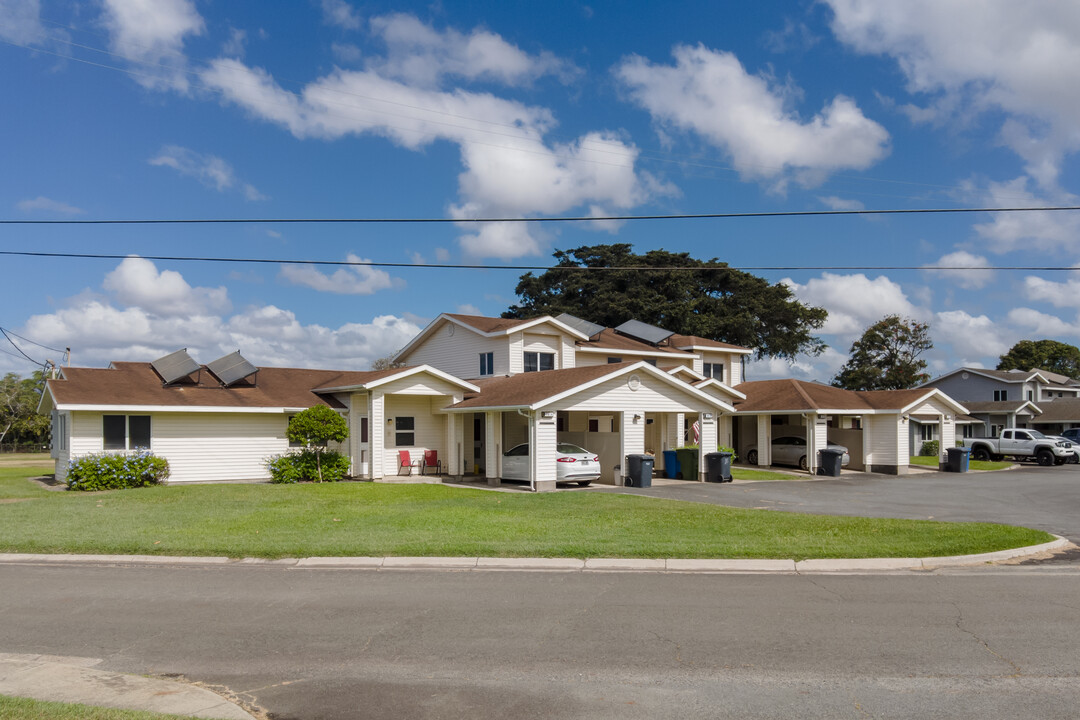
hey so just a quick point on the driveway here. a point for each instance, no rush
(1047, 498)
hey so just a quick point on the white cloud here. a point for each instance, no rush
(1058, 294)
(969, 335)
(210, 170)
(984, 55)
(967, 279)
(45, 204)
(100, 329)
(1054, 232)
(820, 368)
(234, 46)
(341, 14)
(137, 284)
(710, 93)
(468, 310)
(417, 54)
(442, 255)
(838, 203)
(150, 33)
(509, 170)
(350, 280)
(346, 53)
(1035, 324)
(854, 302)
(20, 21)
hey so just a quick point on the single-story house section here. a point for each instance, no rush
(996, 415)
(873, 425)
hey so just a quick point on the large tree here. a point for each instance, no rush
(886, 357)
(19, 418)
(676, 292)
(1049, 355)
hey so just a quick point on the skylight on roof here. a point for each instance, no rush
(644, 332)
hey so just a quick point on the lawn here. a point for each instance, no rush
(746, 474)
(12, 708)
(932, 461)
(369, 519)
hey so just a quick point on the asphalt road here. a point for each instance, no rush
(1047, 498)
(991, 643)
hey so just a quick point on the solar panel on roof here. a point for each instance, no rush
(175, 366)
(643, 331)
(583, 326)
(232, 368)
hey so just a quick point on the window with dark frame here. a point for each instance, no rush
(487, 363)
(125, 432)
(613, 360)
(1001, 395)
(538, 361)
(404, 435)
(713, 370)
(363, 429)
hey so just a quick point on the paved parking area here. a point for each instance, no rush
(1047, 498)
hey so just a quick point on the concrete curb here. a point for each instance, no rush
(76, 680)
(680, 565)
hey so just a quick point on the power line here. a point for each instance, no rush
(10, 332)
(464, 266)
(2, 330)
(18, 357)
(605, 218)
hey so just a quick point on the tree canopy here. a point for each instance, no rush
(676, 292)
(1057, 357)
(19, 418)
(315, 427)
(886, 357)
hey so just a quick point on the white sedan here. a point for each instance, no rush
(791, 450)
(572, 464)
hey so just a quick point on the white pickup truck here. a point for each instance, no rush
(1021, 444)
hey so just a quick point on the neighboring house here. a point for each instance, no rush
(999, 399)
(471, 388)
(873, 425)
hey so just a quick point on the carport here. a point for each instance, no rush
(612, 410)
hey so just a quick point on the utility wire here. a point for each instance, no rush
(2, 330)
(14, 334)
(620, 218)
(462, 266)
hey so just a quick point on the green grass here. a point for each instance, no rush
(932, 461)
(744, 474)
(12, 708)
(368, 519)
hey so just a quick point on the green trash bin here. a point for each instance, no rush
(688, 463)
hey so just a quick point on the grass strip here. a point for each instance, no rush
(14, 708)
(932, 461)
(370, 519)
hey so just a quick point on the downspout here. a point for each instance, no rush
(532, 446)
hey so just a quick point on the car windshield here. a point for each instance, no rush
(1035, 434)
(568, 449)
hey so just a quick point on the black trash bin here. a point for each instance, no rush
(718, 467)
(688, 463)
(640, 471)
(958, 459)
(831, 461)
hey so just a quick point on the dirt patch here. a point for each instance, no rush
(1068, 555)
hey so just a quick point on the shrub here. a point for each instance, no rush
(930, 448)
(115, 471)
(313, 428)
(303, 466)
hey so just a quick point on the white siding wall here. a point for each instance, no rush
(569, 352)
(542, 451)
(459, 354)
(632, 438)
(217, 446)
(653, 395)
(517, 363)
(888, 440)
(429, 431)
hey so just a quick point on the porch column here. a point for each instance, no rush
(675, 430)
(632, 436)
(355, 401)
(817, 438)
(764, 440)
(707, 423)
(867, 442)
(723, 430)
(377, 432)
(948, 435)
(492, 446)
(542, 451)
(455, 438)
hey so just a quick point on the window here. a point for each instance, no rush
(59, 430)
(926, 432)
(487, 364)
(713, 370)
(363, 429)
(856, 423)
(613, 360)
(405, 437)
(1001, 395)
(125, 432)
(967, 431)
(1031, 395)
(537, 361)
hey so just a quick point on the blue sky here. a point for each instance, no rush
(131, 109)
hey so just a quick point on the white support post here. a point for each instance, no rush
(377, 432)
(675, 430)
(492, 447)
(764, 440)
(707, 423)
(631, 436)
(542, 451)
(455, 437)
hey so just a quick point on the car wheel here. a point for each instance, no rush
(584, 483)
(1045, 458)
(980, 453)
(1060, 461)
(1074, 459)
(997, 458)
(802, 463)
(751, 457)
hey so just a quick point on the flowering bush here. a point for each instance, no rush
(115, 471)
(304, 466)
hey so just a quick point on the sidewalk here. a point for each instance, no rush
(75, 680)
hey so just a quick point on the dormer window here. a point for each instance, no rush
(487, 364)
(713, 370)
(537, 361)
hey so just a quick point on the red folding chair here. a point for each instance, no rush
(431, 460)
(404, 461)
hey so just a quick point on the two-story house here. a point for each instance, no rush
(998, 399)
(469, 389)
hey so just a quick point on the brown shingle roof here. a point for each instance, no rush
(790, 394)
(997, 406)
(608, 339)
(682, 341)
(1060, 410)
(528, 388)
(132, 383)
(488, 324)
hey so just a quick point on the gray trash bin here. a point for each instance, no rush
(831, 460)
(640, 471)
(958, 459)
(718, 467)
